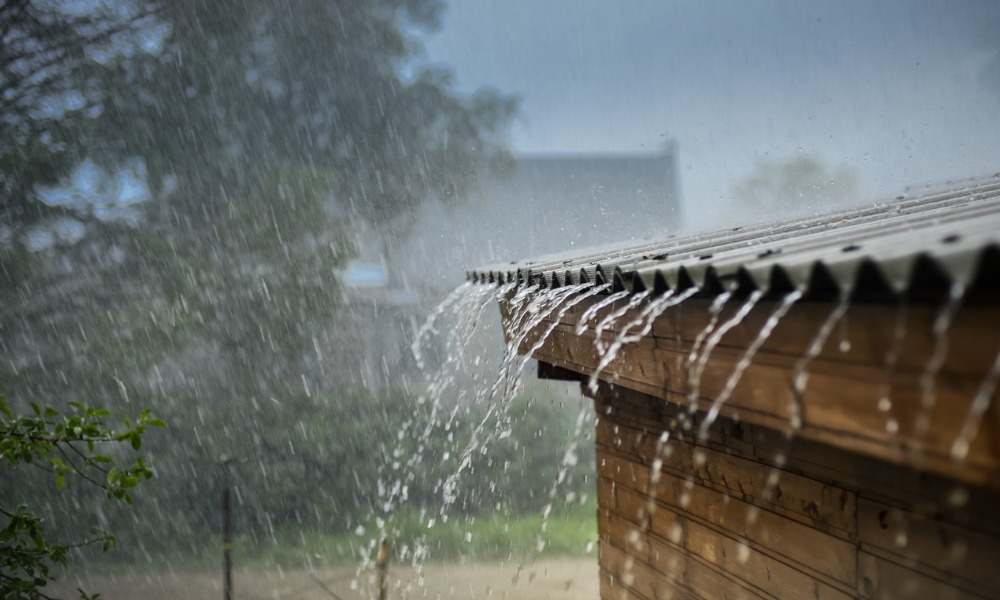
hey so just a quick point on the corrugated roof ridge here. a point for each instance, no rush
(864, 251)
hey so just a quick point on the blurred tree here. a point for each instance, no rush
(798, 182)
(46, 104)
(252, 137)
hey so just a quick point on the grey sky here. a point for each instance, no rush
(894, 90)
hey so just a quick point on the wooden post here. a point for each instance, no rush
(227, 534)
(382, 564)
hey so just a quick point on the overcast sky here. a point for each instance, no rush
(895, 90)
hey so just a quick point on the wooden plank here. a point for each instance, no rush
(885, 580)
(639, 577)
(840, 401)
(883, 481)
(623, 534)
(955, 554)
(822, 506)
(870, 329)
(623, 488)
(672, 570)
(742, 560)
(611, 588)
(620, 405)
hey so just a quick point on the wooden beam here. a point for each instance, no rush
(556, 373)
(868, 388)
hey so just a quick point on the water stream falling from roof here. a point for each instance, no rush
(940, 330)
(463, 309)
(800, 377)
(691, 362)
(891, 366)
(694, 385)
(981, 403)
(592, 311)
(613, 317)
(645, 318)
(528, 308)
(772, 321)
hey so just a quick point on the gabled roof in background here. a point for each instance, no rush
(909, 247)
(543, 203)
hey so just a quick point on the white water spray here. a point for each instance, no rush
(800, 376)
(745, 360)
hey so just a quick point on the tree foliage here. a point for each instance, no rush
(796, 183)
(65, 445)
(262, 138)
(47, 98)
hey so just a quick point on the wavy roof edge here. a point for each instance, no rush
(908, 247)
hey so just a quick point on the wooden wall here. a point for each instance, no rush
(750, 514)
(840, 404)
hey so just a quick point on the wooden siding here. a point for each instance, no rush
(746, 513)
(840, 403)
(862, 501)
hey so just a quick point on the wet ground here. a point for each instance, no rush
(555, 579)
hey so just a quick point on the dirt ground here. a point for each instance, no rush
(553, 579)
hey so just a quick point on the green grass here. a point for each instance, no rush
(568, 531)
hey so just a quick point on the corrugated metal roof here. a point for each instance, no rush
(905, 247)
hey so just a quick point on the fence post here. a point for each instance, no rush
(382, 564)
(227, 533)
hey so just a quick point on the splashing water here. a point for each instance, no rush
(800, 376)
(592, 310)
(459, 293)
(535, 312)
(569, 460)
(745, 360)
(980, 404)
(694, 384)
(645, 318)
(464, 308)
(891, 365)
(613, 317)
(942, 323)
(691, 362)
(530, 310)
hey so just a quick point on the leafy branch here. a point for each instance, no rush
(65, 445)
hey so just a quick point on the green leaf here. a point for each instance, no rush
(113, 476)
(60, 481)
(156, 422)
(136, 441)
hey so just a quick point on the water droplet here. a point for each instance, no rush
(959, 549)
(676, 533)
(742, 553)
(958, 497)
